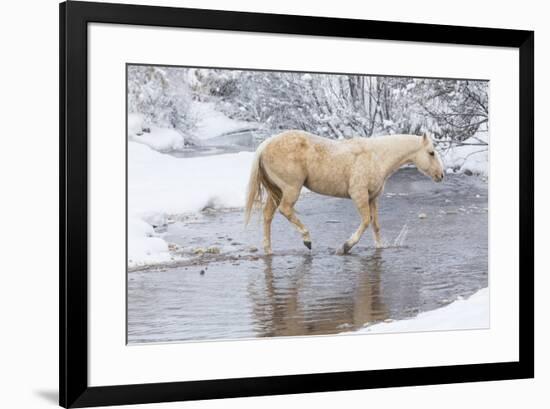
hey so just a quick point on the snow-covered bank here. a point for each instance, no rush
(160, 185)
(208, 123)
(212, 123)
(159, 139)
(472, 157)
(144, 246)
(470, 313)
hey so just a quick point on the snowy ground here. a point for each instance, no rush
(471, 313)
(159, 139)
(212, 123)
(469, 158)
(160, 186)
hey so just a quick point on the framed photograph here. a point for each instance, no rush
(257, 204)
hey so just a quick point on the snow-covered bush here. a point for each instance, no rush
(159, 97)
(335, 106)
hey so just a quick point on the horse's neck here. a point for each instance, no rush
(395, 152)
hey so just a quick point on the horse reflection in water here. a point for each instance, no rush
(289, 301)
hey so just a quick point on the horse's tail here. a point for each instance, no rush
(258, 182)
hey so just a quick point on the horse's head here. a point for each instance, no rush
(427, 160)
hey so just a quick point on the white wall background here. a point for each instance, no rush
(28, 209)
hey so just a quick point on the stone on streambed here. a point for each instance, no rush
(172, 246)
(210, 250)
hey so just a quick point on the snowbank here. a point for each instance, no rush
(160, 139)
(160, 185)
(468, 158)
(143, 245)
(212, 123)
(472, 313)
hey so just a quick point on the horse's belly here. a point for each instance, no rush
(327, 187)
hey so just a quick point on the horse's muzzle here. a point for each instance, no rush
(439, 178)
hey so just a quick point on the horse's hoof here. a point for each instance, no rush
(343, 250)
(307, 244)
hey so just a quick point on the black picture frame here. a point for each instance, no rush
(74, 17)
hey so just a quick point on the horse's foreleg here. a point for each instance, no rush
(269, 211)
(375, 224)
(361, 201)
(287, 209)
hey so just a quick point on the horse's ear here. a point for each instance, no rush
(425, 139)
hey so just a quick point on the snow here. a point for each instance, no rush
(135, 123)
(212, 123)
(160, 139)
(143, 246)
(471, 313)
(160, 185)
(472, 158)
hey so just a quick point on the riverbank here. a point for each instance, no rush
(462, 314)
(161, 186)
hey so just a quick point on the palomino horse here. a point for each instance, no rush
(354, 168)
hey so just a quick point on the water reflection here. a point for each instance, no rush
(300, 302)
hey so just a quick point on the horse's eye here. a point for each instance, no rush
(432, 153)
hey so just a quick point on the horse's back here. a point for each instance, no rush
(299, 157)
(295, 147)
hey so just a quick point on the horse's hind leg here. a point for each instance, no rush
(290, 196)
(361, 200)
(375, 223)
(269, 210)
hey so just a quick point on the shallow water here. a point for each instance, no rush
(240, 293)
